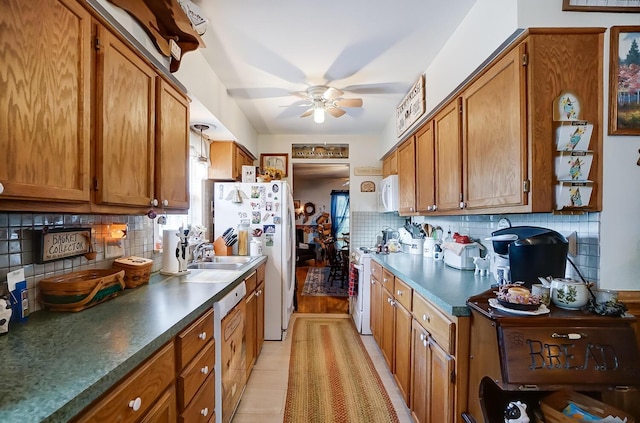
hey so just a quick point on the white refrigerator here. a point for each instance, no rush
(269, 207)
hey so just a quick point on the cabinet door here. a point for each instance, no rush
(448, 157)
(164, 410)
(407, 176)
(259, 318)
(388, 328)
(172, 147)
(402, 355)
(376, 310)
(390, 165)
(441, 388)
(125, 125)
(250, 328)
(494, 126)
(45, 104)
(425, 169)
(419, 373)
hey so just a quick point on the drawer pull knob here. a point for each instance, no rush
(1, 188)
(422, 336)
(425, 317)
(135, 404)
(204, 411)
(399, 292)
(203, 335)
(205, 370)
(424, 342)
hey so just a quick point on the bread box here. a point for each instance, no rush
(460, 256)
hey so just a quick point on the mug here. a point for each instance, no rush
(502, 275)
(543, 291)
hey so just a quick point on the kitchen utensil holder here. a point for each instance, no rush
(221, 249)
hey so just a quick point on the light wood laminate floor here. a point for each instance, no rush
(264, 397)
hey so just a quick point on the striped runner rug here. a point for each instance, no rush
(331, 377)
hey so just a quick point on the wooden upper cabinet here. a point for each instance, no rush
(125, 124)
(227, 159)
(495, 137)
(425, 169)
(447, 135)
(45, 101)
(407, 176)
(390, 164)
(172, 147)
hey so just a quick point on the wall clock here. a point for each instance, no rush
(367, 186)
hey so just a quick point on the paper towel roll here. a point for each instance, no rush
(170, 242)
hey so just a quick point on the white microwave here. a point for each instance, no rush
(389, 194)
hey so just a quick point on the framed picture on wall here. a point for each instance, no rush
(624, 81)
(600, 6)
(279, 161)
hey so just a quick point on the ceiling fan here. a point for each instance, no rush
(326, 99)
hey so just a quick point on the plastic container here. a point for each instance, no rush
(255, 248)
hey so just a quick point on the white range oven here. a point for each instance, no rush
(360, 303)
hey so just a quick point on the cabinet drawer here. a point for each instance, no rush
(191, 378)
(191, 340)
(403, 293)
(260, 273)
(251, 281)
(387, 280)
(135, 394)
(201, 409)
(435, 322)
(376, 270)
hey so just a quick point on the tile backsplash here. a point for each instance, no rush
(366, 226)
(17, 245)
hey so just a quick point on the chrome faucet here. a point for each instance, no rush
(200, 251)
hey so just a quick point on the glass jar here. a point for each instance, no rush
(243, 239)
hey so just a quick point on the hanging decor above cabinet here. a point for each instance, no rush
(168, 26)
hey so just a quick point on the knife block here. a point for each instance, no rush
(221, 249)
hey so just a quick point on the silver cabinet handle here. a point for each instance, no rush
(399, 293)
(204, 411)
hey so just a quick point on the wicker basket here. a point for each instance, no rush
(77, 291)
(553, 404)
(137, 270)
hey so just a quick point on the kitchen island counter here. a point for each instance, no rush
(57, 363)
(446, 287)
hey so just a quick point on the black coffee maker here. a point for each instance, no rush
(532, 252)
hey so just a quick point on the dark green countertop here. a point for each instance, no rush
(446, 287)
(56, 364)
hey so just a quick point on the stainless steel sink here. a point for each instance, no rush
(223, 263)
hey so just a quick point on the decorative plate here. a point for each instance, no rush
(542, 309)
(518, 306)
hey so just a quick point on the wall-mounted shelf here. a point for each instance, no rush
(164, 21)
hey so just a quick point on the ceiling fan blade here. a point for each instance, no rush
(332, 93)
(307, 113)
(335, 112)
(301, 94)
(348, 102)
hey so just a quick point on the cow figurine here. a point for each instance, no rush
(482, 265)
(516, 412)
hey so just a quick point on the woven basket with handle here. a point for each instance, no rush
(77, 291)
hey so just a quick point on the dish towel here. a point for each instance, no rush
(353, 280)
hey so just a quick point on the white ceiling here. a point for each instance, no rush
(263, 51)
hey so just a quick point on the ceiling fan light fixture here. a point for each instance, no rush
(318, 114)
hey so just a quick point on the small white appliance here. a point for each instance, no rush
(268, 207)
(360, 304)
(389, 199)
(464, 260)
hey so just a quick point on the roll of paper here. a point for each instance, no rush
(170, 242)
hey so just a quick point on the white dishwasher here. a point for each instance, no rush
(229, 315)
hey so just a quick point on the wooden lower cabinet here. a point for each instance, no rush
(387, 338)
(433, 379)
(402, 350)
(254, 326)
(137, 396)
(165, 408)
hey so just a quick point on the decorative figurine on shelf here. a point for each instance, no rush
(482, 265)
(516, 412)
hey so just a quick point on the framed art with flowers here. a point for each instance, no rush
(624, 81)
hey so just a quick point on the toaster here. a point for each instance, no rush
(464, 261)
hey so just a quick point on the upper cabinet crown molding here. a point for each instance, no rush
(164, 21)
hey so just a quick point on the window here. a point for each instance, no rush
(339, 213)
